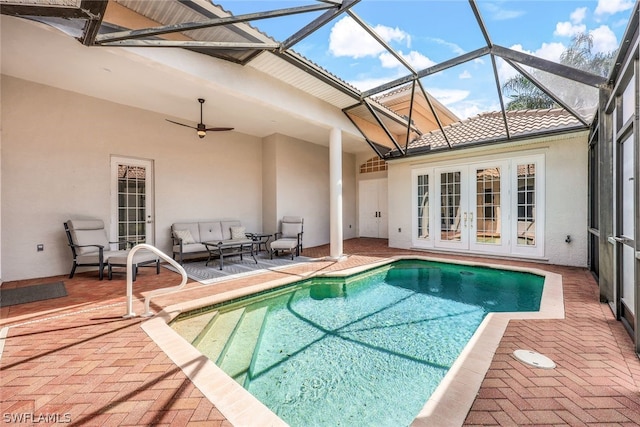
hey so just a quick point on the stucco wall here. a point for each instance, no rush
(302, 181)
(56, 150)
(565, 192)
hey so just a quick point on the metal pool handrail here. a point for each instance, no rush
(147, 300)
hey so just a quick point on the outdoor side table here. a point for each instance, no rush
(261, 240)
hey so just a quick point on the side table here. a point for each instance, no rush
(261, 240)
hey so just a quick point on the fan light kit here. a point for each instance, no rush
(200, 128)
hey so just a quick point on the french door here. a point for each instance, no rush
(132, 202)
(470, 207)
(373, 208)
(625, 233)
(488, 207)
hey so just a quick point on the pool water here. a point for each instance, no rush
(365, 350)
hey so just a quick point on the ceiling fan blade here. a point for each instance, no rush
(218, 129)
(181, 124)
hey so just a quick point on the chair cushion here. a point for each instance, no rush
(138, 257)
(210, 231)
(185, 235)
(238, 233)
(290, 230)
(88, 232)
(188, 249)
(94, 257)
(281, 244)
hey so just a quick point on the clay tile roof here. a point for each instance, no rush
(487, 127)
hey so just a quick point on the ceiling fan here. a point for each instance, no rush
(201, 128)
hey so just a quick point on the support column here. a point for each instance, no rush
(335, 193)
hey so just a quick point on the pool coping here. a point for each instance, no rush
(448, 405)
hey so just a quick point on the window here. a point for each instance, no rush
(131, 204)
(526, 204)
(488, 205)
(374, 164)
(423, 206)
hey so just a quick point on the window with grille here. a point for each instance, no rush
(374, 164)
(131, 204)
(527, 204)
(423, 206)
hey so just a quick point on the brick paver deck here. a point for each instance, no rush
(77, 361)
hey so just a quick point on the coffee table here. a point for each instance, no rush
(221, 250)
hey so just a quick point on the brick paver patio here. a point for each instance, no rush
(77, 361)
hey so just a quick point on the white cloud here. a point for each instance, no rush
(604, 40)
(578, 15)
(567, 29)
(548, 51)
(465, 75)
(348, 38)
(574, 26)
(417, 60)
(369, 83)
(470, 108)
(612, 6)
(497, 13)
(454, 47)
(449, 96)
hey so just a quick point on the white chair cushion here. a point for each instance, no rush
(290, 230)
(282, 244)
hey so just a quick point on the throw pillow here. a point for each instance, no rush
(185, 235)
(237, 233)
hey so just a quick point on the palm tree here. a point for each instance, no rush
(525, 95)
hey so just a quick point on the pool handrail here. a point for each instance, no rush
(148, 313)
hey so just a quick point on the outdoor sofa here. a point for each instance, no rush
(189, 237)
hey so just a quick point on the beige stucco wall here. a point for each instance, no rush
(56, 150)
(565, 192)
(300, 173)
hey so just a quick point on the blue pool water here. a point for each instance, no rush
(366, 350)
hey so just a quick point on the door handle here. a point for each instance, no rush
(465, 219)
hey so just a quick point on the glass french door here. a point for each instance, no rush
(626, 225)
(490, 207)
(471, 207)
(132, 204)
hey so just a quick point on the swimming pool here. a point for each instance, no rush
(355, 364)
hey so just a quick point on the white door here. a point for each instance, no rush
(495, 206)
(132, 202)
(470, 207)
(373, 208)
(451, 208)
(489, 207)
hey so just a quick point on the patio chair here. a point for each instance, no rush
(89, 245)
(289, 238)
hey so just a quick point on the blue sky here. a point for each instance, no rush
(427, 32)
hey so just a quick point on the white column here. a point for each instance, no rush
(335, 193)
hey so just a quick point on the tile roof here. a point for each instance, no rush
(489, 127)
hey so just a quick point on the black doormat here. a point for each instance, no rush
(33, 293)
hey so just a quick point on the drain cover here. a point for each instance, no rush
(534, 359)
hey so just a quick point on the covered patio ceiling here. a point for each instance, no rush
(212, 29)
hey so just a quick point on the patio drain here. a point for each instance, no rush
(534, 359)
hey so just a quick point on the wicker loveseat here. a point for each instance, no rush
(188, 237)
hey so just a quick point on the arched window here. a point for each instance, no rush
(374, 164)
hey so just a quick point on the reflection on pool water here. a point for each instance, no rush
(364, 350)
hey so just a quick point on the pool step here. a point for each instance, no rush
(212, 342)
(237, 355)
(191, 327)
